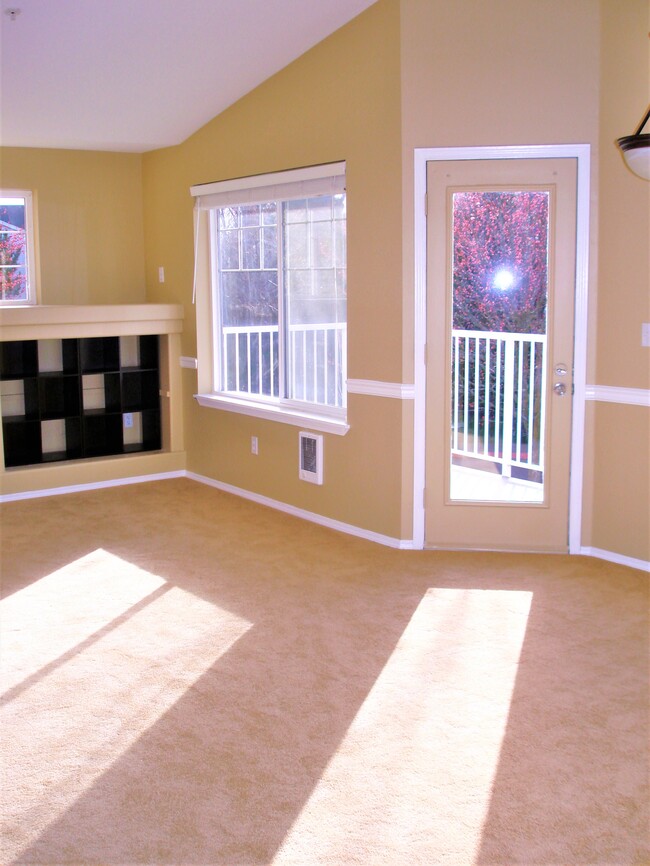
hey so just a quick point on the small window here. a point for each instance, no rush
(17, 248)
(277, 294)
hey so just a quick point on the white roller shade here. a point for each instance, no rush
(298, 183)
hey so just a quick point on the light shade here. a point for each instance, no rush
(636, 150)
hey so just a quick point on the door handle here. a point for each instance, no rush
(560, 389)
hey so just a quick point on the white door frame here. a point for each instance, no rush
(580, 152)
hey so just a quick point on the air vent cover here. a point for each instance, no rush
(310, 466)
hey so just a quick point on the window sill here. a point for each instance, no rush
(17, 305)
(322, 423)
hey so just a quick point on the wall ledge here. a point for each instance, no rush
(92, 320)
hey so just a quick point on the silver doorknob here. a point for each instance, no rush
(560, 389)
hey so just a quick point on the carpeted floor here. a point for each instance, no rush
(190, 678)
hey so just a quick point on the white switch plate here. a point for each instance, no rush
(254, 445)
(645, 334)
(161, 275)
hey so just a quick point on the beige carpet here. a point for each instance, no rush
(190, 678)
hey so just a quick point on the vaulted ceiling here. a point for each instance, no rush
(133, 75)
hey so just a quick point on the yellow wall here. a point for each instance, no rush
(624, 200)
(340, 101)
(90, 233)
(620, 507)
(621, 500)
(499, 72)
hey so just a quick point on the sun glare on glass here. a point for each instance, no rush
(503, 280)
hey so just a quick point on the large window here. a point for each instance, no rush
(17, 257)
(277, 292)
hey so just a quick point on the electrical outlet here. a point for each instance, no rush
(128, 419)
(254, 446)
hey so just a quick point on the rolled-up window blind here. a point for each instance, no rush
(328, 179)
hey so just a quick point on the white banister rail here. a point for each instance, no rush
(498, 398)
(317, 366)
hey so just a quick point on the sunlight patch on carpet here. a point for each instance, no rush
(93, 655)
(66, 608)
(422, 752)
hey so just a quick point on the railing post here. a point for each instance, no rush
(542, 410)
(486, 388)
(343, 346)
(477, 391)
(508, 406)
(456, 347)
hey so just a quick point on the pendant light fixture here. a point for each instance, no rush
(636, 150)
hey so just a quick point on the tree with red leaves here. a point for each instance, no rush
(500, 265)
(13, 273)
(500, 274)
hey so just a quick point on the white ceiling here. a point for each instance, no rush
(133, 75)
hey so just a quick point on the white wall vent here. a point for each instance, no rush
(310, 465)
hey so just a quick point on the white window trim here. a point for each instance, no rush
(326, 179)
(33, 282)
(273, 412)
(295, 183)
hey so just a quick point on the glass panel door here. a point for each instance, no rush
(500, 296)
(498, 346)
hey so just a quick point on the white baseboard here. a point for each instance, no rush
(328, 522)
(92, 485)
(617, 558)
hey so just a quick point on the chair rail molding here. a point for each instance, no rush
(381, 389)
(613, 394)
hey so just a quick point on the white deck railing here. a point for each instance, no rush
(498, 398)
(317, 362)
(498, 383)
